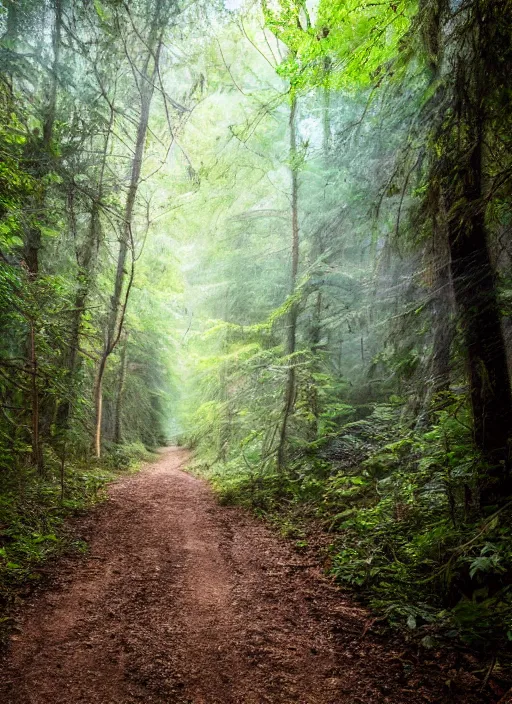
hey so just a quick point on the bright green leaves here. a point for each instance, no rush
(101, 11)
(349, 45)
(10, 235)
(15, 181)
(363, 36)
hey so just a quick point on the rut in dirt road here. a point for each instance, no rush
(181, 600)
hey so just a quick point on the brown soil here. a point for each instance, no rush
(182, 600)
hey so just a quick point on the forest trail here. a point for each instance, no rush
(182, 600)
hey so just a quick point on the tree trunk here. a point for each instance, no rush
(37, 451)
(294, 310)
(86, 261)
(98, 404)
(118, 423)
(469, 61)
(32, 242)
(117, 307)
(51, 108)
(81, 296)
(441, 315)
(42, 158)
(318, 248)
(475, 295)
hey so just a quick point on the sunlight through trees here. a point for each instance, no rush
(278, 232)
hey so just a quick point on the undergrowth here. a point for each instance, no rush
(399, 507)
(34, 509)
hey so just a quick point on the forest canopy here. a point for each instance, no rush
(278, 232)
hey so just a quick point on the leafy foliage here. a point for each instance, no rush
(380, 443)
(280, 234)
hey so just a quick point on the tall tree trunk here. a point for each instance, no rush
(37, 451)
(43, 156)
(293, 313)
(318, 253)
(50, 112)
(32, 242)
(475, 295)
(117, 305)
(118, 419)
(441, 314)
(468, 50)
(84, 279)
(86, 262)
(98, 405)
(225, 416)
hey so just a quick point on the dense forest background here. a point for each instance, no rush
(281, 233)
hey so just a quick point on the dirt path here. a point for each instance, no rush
(181, 600)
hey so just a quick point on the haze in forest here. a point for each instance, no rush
(278, 233)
